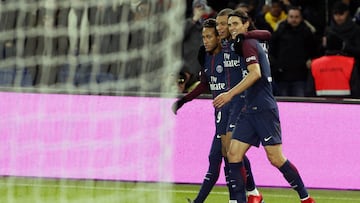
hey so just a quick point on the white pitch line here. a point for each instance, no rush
(142, 189)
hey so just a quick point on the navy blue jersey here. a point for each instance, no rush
(214, 72)
(222, 71)
(235, 64)
(259, 96)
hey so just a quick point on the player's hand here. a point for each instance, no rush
(177, 105)
(201, 55)
(222, 99)
(198, 13)
(238, 44)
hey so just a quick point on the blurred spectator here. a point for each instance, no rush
(29, 71)
(356, 17)
(348, 31)
(145, 32)
(219, 5)
(244, 7)
(291, 48)
(8, 45)
(313, 13)
(192, 35)
(275, 15)
(46, 45)
(78, 27)
(137, 41)
(106, 43)
(257, 18)
(64, 74)
(66, 46)
(353, 5)
(334, 75)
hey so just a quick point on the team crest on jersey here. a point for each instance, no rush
(219, 69)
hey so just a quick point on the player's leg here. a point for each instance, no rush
(237, 173)
(234, 110)
(225, 141)
(212, 175)
(253, 194)
(289, 171)
(222, 125)
(269, 131)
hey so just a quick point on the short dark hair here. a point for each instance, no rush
(244, 18)
(241, 14)
(298, 8)
(225, 12)
(210, 23)
(339, 7)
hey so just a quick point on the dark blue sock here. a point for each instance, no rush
(292, 176)
(250, 183)
(210, 179)
(227, 178)
(237, 182)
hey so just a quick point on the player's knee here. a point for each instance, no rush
(233, 157)
(275, 160)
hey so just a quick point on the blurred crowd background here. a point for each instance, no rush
(314, 49)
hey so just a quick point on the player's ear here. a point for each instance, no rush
(247, 24)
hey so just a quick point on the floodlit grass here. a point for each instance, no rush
(24, 190)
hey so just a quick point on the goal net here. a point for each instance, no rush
(85, 88)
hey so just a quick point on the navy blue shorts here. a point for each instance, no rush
(263, 126)
(221, 119)
(226, 117)
(234, 113)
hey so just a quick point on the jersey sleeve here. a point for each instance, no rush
(263, 35)
(250, 52)
(199, 89)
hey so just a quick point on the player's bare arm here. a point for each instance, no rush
(253, 75)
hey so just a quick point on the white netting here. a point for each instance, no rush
(84, 48)
(90, 45)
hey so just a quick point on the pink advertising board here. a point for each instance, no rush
(130, 138)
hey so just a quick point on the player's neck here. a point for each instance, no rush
(216, 50)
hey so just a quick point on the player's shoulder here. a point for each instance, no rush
(250, 41)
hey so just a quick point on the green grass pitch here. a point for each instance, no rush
(24, 190)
